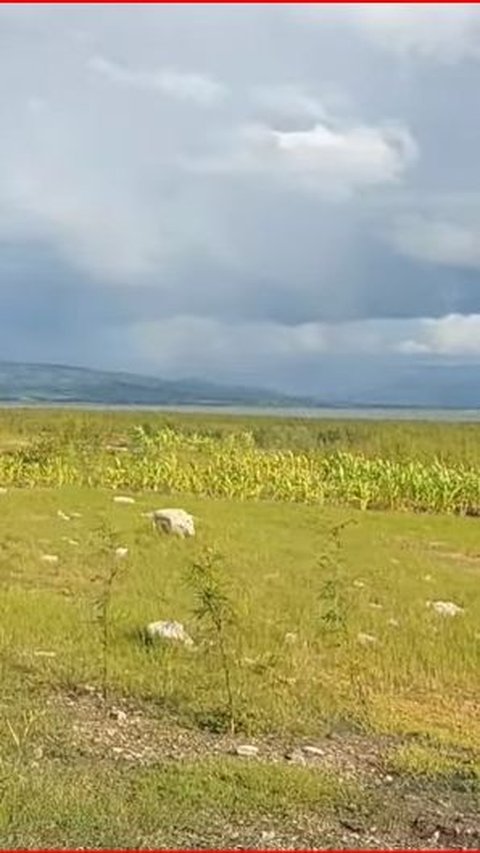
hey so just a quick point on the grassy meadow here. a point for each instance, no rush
(306, 592)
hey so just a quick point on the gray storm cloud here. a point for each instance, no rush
(197, 183)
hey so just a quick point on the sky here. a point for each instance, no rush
(240, 193)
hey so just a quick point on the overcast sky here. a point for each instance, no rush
(239, 192)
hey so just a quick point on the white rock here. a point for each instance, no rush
(290, 637)
(296, 756)
(62, 514)
(366, 639)
(49, 558)
(445, 608)
(168, 631)
(313, 750)
(394, 623)
(118, 714)
(76, 514)
(375, 605)
(246, 749)
(121, 552)
(123, 499)
(358, 584)
(267, 835)
(3, 490)
(175, 521)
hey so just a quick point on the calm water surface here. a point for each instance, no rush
(369, 414)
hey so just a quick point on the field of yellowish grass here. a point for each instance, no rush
(108, 741)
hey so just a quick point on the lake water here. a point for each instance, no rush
(369, 414)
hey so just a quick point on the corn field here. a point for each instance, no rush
(173, 462)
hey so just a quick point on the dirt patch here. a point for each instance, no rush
(400, 811)
(124, 731)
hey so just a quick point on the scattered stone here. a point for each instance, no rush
(168, 631)
(121, 552)
(359, 584)
(38, 753)
(72, 542)
(63, 515)
(3, 490)
(75, 514)
(427, 578)
(119, 715)
(175, 521)
(49, 558)
(388, 779)
(290, 637)
(123, 499)
(267, 835)
(366, 639)
(445, 608)
(295, 756)
(394, 623)
(39, 653)
(313, 750)
(246, 749)
(375, 605)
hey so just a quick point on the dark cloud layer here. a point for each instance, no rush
(246, 191)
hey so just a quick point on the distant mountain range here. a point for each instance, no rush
(359, 384)
(52, 383)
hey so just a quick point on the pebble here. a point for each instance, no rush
(3, 490)
(290, 637)
(268, 835)
(445, 608)
(49, 558)
(121, 552)
(246, 749)
(313, 750)
(62, 514)
(123, 499)
(296, 757)
(366, 639)
(119, 715)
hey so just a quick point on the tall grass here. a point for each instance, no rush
(232, 465)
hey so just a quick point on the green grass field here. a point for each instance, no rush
(326, 637)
